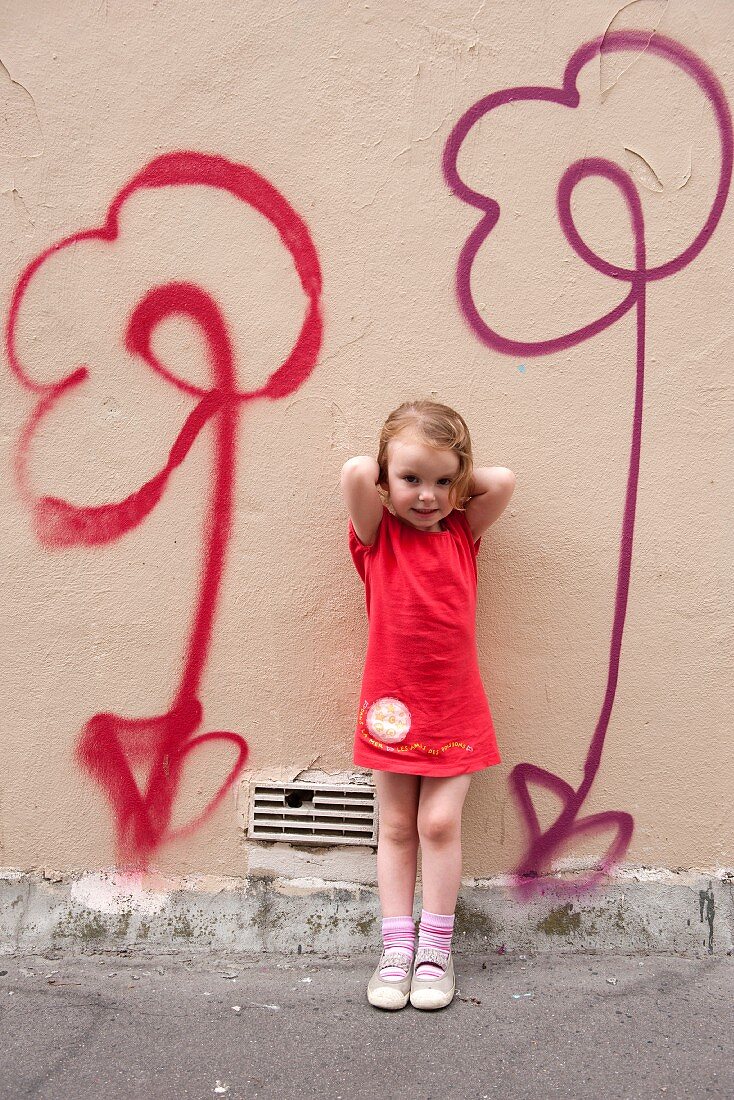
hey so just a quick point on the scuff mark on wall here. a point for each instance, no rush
(20, 127)
(642, 170)
(347, 344)
(21, 210)
(707, 910)
(386, 180)
(643, 10)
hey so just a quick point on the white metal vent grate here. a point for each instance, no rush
(313, 813)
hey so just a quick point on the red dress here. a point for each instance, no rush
(422, 709)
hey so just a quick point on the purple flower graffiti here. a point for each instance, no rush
(543, 844)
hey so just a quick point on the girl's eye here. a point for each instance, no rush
(412, 477)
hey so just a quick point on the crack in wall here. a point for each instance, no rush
(20, 119)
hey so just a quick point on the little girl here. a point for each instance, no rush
(424, 724)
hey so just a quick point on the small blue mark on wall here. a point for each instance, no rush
(521, 368)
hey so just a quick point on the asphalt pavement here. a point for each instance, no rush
(297, 1027)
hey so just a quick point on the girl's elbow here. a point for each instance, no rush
(505, 478)
(350, 467)
(359, 466)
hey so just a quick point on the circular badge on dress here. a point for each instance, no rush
(389, 720)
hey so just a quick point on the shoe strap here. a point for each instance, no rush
(396, 957)
(431, 954)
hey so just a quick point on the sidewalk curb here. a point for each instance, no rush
(686, 912)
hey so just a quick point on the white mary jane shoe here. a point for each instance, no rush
(391, 995)
(431, 993)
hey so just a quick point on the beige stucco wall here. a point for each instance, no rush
(345, 108)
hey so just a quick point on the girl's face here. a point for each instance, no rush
(419, 478)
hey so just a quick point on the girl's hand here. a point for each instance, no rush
(359, 479)
(490, 491)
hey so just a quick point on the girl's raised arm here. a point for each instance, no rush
(359, 480)
(491, 489)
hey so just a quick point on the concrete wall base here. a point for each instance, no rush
(639, 909)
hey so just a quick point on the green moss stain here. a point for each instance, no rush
(474, 923)
(319, 923)
(561, 921)
(123, 924)
(81, 927)
(92, 929)
(183, 929)
(365, 927)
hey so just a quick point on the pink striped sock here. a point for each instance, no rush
(434, 930)
(398, 933)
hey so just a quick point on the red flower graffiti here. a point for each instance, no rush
(543, 843)
(111, 746)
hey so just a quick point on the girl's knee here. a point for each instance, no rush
(400, 830)
(397, 799)
(439, 828)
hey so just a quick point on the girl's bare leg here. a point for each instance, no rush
(397, 843)
(441, 802)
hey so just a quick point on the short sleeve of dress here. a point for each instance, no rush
(463, 524)
(360, 551)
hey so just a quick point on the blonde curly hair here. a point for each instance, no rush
(437, 426)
